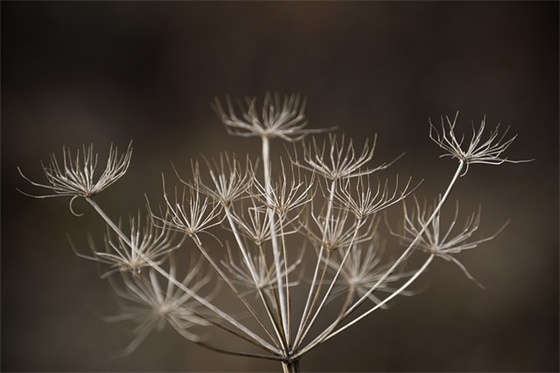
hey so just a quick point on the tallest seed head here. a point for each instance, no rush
(278, 118)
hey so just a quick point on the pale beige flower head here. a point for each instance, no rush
(284, 119)
(489, 151)
(76, 176)
(152, 302)
(145, 244)
(433, 238)
(337, 159)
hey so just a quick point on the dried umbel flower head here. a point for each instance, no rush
(487, 151)
(337, 159)
(284, 119)
(145, 302)
(189, 212)
(289, 194)
(146, 243)
(76, 175)
(258, 274)
(363, 199)
(362, 268)
(328, 201)
(432, 238)
(230, 181)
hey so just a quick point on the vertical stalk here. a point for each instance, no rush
(333, 281)
(252, 269)
(309, 304)
(290, 366)
(274, 239)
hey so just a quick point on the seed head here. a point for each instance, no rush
(229, 182)
(279, 118)
(260, 273)
(76, 176)
(146, 243)
(337, 160)
(189, 212)
(364, 200)
(437, 240)
(362, 270)
(487, 151)
(144, 302)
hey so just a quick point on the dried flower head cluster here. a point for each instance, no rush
(145, 241)
(433, 238)
(143, 301)
(76, 175)
(489, 151)
(282, 118)
(299, 248)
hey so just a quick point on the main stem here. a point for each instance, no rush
(290, 366)
(274, 238)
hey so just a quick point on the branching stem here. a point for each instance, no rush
(324, 336)
(258, 341)
(274, 239)
(309, 304)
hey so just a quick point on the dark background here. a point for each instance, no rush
(102, 72)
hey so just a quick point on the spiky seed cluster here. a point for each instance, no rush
(189, 212)
(364, 268)
(145, 244)
(337, 159)
(336, 232)
(258, 225)
(433, 238)
(363, 200)
(265, 280)
(146, 303)
(76, 175)
(289, 193)
(477, 150)
(229, 182)
(284, 119)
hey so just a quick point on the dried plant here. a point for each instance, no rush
(144, 302)
(268, 240)
(76, 178)
(147, 241)
(477, 151)
(434, 239)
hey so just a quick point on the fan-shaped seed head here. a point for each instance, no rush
(76, 175)
(279, 118)
(489, 151)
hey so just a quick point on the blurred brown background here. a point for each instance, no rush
(102, 72)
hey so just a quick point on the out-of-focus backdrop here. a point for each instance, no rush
(107, 72)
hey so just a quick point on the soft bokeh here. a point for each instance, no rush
(108, 72)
